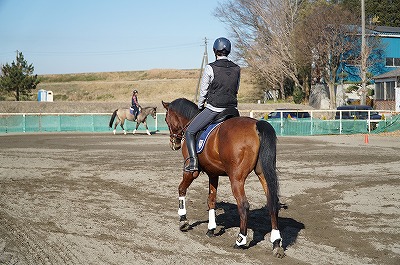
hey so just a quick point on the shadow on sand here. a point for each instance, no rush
(259, 222)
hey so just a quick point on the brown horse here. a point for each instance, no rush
(235, 148)
(125, 114)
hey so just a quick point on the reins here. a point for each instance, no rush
(180, 134)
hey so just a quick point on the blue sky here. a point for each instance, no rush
(82, 36)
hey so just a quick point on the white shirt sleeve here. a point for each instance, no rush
(208, 77)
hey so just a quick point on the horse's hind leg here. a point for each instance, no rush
(115, 126)
(275, 237)
(243, 209)
(122, 126)
(212, 195)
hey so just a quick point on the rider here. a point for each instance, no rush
(219, 88)
(135, 104)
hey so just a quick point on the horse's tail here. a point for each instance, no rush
(113, 118)
(267, 159)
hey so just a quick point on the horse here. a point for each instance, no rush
(125, 114)
(234, 148)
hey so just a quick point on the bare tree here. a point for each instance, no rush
(369, 57)
(324, 34)
(263, 32)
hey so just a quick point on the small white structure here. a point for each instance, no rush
(49, 96)
(45, 95)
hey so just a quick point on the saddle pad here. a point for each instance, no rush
(201, 140)
(132, 111)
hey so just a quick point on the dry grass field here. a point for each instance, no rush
(153, 86)
(107, 91)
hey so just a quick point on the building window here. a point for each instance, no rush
(392, 61)
(385, 93)
(379, 94)
(390, 92)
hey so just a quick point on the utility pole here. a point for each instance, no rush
(204, 62)
(363, 59)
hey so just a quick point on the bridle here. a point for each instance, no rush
(178, 137)
(175, 138)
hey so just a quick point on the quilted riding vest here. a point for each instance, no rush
(223, 89)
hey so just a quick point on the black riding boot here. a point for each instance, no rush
(193, 164)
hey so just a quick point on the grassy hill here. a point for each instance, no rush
(153, 86)
(105, 92)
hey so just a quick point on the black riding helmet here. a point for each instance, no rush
(222, 46)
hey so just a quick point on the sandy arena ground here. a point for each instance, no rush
(112, 199)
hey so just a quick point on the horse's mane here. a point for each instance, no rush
(184, 107)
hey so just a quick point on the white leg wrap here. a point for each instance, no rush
(148, 133)
(241, 240)
(114, 131)
(124, 132)
(275, 234)
(134, 131)
(211, 219)
(182, 206)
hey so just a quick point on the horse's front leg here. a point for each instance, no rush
(137, 126)
(187, 179)
(147, 129)
(212, 196)
(243, 209)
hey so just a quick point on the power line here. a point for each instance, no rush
(80, 53)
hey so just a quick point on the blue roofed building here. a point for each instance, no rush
(384, 70)
(387, 83)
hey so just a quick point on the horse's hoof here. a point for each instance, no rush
(239, 247)
(278, 252)
(210, 232)
(114, 131)
(184, 226)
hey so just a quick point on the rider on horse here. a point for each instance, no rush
(135, 104)
(219, 88)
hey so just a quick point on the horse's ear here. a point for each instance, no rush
(165, 104)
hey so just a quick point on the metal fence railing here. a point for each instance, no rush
(69, 122)
(320, 122)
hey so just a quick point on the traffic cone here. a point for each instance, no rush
(366, 140)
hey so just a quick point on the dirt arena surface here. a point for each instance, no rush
(112, 199)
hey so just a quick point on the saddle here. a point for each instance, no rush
(202, 135)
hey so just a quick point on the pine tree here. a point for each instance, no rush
(377, 12)
(18, 78)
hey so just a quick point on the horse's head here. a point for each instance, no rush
(174, 126)
(179, 113)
